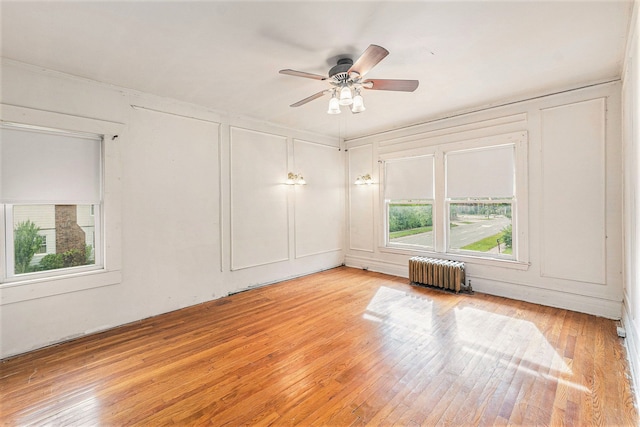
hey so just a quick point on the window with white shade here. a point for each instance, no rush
(459, 199)
(480, 200)
(408, 195)
(50, 184)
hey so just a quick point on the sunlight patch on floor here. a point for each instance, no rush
(500, 335)
(400, 309)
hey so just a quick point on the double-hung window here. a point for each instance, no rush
(458, 198)
(408, 195)
(51, 193)
(480, 201)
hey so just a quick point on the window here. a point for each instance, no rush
(409, 202)
(50, 185)
(43, 245)
(480, 197)
(457, 198)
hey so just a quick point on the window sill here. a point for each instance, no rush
(470, 259)
(24, 290)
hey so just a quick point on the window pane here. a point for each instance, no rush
(410, 224)
(49, 237)
(481, 227)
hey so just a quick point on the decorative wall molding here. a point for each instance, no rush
(632, 344)
(361, 204)
(318, 207)
(460, 130)
(250, 223)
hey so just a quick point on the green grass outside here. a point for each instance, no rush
(487, 244)
(409, 232)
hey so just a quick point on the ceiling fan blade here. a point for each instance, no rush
(391, 84)
(303, 74)
(309, 98)
(369, 59)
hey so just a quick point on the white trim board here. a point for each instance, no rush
(631, 343)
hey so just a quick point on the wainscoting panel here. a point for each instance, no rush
(259, 213)
(573, 196)
(319, 206)
(361, 232)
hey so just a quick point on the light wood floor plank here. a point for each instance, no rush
(342, 347)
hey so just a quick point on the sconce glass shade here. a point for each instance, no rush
(358, 103)
(334, 106)
(364, 179)
(345, 96)
(295, 179)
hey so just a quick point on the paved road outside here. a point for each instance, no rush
(463, 234)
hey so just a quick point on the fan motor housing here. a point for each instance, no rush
(339, 72)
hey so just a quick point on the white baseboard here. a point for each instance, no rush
(400, 270)
(529, 293)
(552, 298)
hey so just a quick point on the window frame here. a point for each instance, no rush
(520, 209)
(9, 242)
(30, 288)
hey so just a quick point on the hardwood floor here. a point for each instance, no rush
(342, 347)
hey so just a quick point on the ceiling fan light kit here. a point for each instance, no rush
(346, 78)
(334, 104)
(358, 103)
(345, 96)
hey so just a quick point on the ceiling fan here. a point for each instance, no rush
(346, 81)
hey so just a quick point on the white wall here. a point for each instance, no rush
(187, 197)
(570, 210)
(202, 210)
(631, 169)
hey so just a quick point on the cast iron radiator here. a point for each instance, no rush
(439, 273)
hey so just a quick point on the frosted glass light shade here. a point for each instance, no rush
(334, 106)
(358, 104)
(345, 96)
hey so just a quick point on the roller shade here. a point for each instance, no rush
(40, 166)
(409, 178)
(481, 173)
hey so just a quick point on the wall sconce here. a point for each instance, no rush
(295, 179)
(364, 179)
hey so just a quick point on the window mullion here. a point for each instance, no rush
(440, 220)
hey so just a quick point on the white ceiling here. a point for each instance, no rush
(226, 55)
